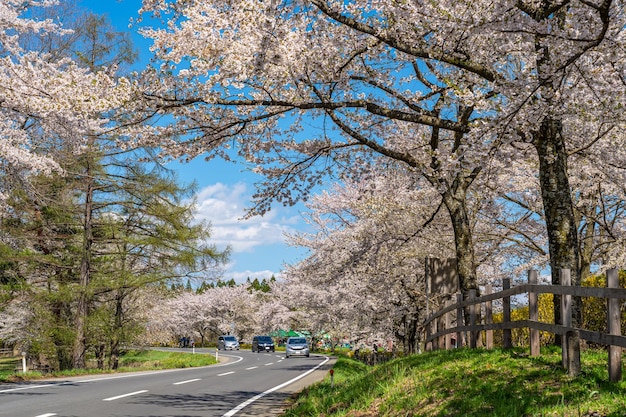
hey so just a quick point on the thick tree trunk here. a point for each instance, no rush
(410, 336)
(548, 140)
(407, 333)
(80, 345)
(558, 208)
(118, 329)
(114, 357)
(455, 202)
(100, 355)
(78, 355)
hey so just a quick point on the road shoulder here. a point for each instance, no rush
(276, 403)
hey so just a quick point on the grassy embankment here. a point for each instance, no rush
(131, 361)
(466, 383)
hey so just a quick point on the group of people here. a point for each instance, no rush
(186, 342)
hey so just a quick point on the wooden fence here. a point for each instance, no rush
(8, 361)
(440, 333)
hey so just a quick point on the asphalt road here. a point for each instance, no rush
(243, 384)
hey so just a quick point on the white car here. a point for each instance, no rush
(227, 342)
(296, 346)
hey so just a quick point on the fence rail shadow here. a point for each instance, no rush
(375, 358)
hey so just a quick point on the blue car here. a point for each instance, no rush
(262, 344)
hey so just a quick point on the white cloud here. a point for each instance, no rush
(223, 206)
(258, 244)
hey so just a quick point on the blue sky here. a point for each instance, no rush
(224, 191)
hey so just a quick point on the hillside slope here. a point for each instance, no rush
(465, 382)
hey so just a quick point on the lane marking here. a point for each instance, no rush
(28, 387)
(277, 387)
(126, 375)
(252, 367)
(186, 382)
(226, 373)
(124, 395)
(271, 363)
(46, 415)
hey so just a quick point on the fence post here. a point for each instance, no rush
(572, 336)
(488, 318)
(428, 344)
(441, 325)
(566, 313)
(533, 314)
(434, 345)
(613, 326)
(459, 320)
(472, 333)
(447, 324)
(507, 340)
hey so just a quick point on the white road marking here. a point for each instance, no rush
(252, 367)
(46, 415)
(124, 395)
(126, 375)
(226, 373)
(23, 388)
(271, 363)
(277, 387)
(186, 382)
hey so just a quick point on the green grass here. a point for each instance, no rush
(130, 361)
(465, 382)
(155, 359)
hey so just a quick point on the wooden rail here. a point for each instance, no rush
(439, 332)
(6, 352)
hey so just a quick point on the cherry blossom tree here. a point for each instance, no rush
(42, 97)
(15, 322)
(303, 87)
(365, 272)
(515, 214)
(372, 116)
(219, 310)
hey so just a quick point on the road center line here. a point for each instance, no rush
(124, 395)
(271, 363)
(186, 382)
(226, 373)
(277, 387)
(46, 415)
(252, 367)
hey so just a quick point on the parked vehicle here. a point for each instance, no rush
(262, 344)
(296, 346)
(227, 342)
